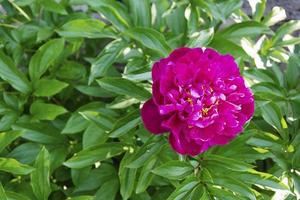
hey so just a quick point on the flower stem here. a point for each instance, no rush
(182, 157)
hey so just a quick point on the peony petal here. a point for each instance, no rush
(219, 140)
(176, 143)
(157, 96)
(178, 53)
(182, 146)
(211, 54)
(229, 66)
(167, 82)
(248, 110)
(159, 69)
(151, 118)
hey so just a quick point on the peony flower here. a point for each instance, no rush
(199, 97)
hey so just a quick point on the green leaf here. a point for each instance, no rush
(102, 121)
(259, 75)
(8, 137)
(48, 87)
(146, 152)
(115, 13)
(84, 197)
(23, 2)
(235, 186)
(296, 159)
(58, 154)
(96, 177)
(70, 70)
(2, 193)
(220, 193)
(125, 124)
(16, 196)
(292, 41)
(286, 28)
(45, 33)
(8, 120)
(220, 11)
(44, 57)
(201, 38)
(199, 193)
(273, 116)
(174, 170)
(40, 178)
(10, 73)
(276, 15)
(228, 163)
(127, 178)
(146, 176)
(268, 91)
(226, 46)
(177, 22)
(263, 179)
(124, 87)
(296, 180)
(75, 124)
(13, 166)
(94, 91)
(94, 135)
(25, 153)
(244, 29)
(266, 141)
(86, 28)
(140, 12)
(105, 59)
(145, 76)
(184, 189)
(46, 111)
(108, 190)
(151, 39)
(94, 154)
(258, 9)
(53, 6)
(293, 71)
(40, 132)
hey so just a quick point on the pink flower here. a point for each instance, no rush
(200, 98)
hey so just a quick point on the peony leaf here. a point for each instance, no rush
(185, 189)
(13, 166)
(2, 193)
(228, 163)
(8, 137)
(40, 178)
(44, 57)
(86, 28)
(151, 39)
(244, 29)
(146, 152)
(91, 155)
(10, 73)
(174, 170)
(124, 87)
(48, 87)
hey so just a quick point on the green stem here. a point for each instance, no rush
(20, 10)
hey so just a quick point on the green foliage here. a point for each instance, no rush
(74, 74)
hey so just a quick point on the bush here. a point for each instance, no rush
(74, 75)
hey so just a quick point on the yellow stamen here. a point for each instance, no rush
(190, 101)
(205, 111)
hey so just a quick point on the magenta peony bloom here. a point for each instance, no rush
(200, 97)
